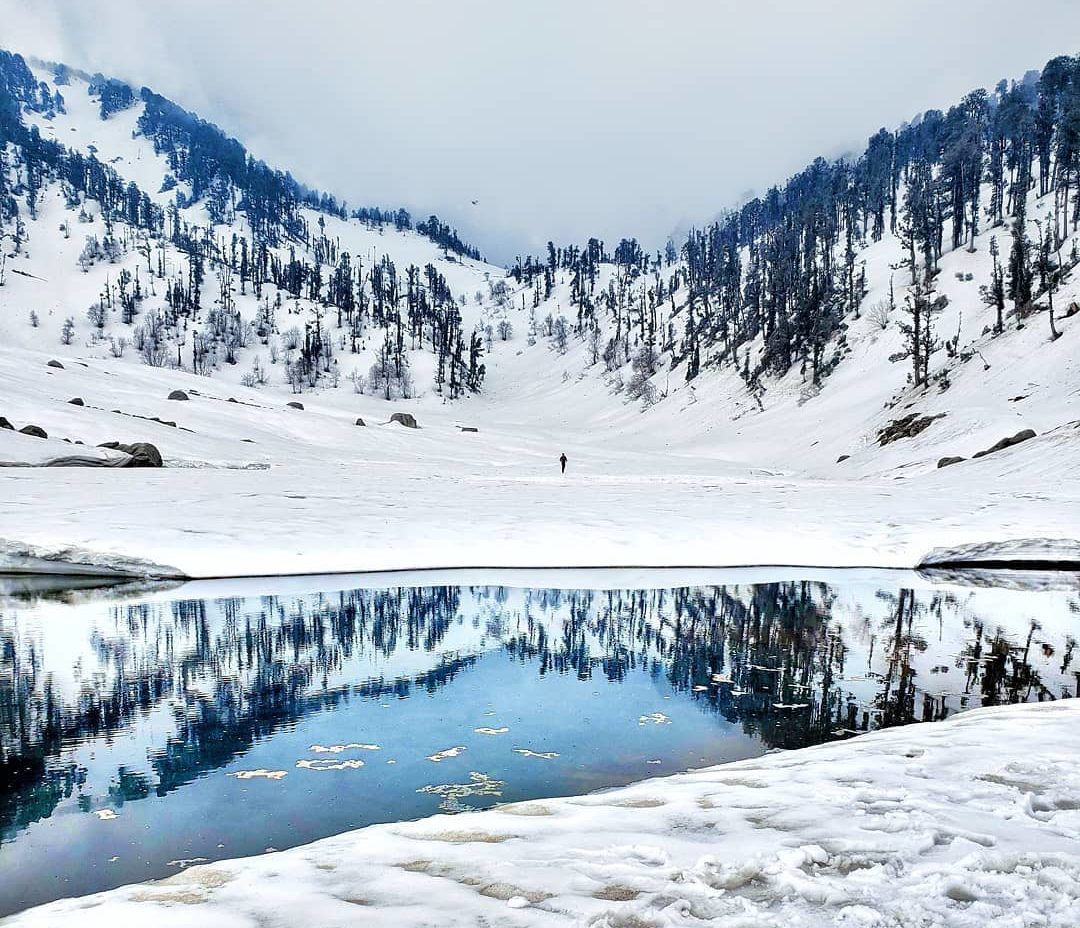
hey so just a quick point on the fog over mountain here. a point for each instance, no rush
(562, 119)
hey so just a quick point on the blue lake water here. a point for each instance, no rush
(142, 730)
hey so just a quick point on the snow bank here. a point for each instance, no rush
(1020, 552)
(18, 450)
(929, 824)
(21, 559)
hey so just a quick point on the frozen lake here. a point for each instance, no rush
(142, 730)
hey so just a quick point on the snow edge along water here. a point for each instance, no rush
(1044, 555)
(922, 823)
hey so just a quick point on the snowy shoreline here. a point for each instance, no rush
(929, 823)
(119, 570)
(367, 516)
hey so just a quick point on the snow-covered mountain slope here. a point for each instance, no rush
(170, 287)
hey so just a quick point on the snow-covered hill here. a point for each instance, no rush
(179, 283)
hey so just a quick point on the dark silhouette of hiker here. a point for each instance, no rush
(562, 461)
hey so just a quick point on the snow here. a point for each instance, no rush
(255, 487)
(709, 476)
(927, 824)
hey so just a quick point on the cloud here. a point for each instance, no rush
(563, 118)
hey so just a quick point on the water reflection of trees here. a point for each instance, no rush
(774, 658)
(230, 672)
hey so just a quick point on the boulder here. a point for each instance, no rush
(35, 430)
(295, 405)
(179, 395)
(142, 453)
(232, 399)
(1006, 443)
(361, 422)
(842, 458)
(468, 428)
(56, 364)
(406, 419)
(4, 424)
(906, 427)
(949, 461)
(76, 401)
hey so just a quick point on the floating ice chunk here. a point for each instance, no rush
(491, 731)
(106, 815)
(327, 764)
(543, 755)
(654, 718)
(338, 748)
(258, 774)
(445, 754)
(480, 784)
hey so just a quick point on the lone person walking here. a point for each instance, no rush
(562, 461)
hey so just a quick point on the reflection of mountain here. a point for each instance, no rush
(792, 663)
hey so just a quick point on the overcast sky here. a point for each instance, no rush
(562, 118)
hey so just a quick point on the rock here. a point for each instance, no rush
(56, 364)
(232, 399)
(35, 430)
(80, 460)
(906, 427)
(406, 419)
(468, 428)
(361, 422)
(4, 424)
(1006, 443)
(76, 401)
(842, 458)
(179, 395)
(949, 461)
(167, 422)
(1074, 308)
(142, 453)
(295, 405)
